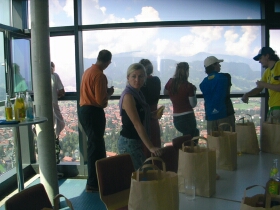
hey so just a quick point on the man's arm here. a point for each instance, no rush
(253, 92)
(275, 87)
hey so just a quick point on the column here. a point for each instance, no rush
(40, 52)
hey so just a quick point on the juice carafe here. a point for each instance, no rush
(8, 108)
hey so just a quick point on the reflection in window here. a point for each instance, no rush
(5, 12)
(111, 11)
(165, 47)
(63, 55)
(21, 65)
(2, 69)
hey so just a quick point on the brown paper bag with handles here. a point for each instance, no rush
(200, 163)
(251, 203)
(247, 141)
(270, 137)
(225, 145)
(153, 189)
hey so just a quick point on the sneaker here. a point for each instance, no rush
(91, 189)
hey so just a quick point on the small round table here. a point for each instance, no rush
(17, 145)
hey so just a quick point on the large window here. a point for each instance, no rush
(168, 131)
(2, 69)
(111, 11)
(275, 40)
(21, 65)
(165, 47)
(63, 55)
(7, 152)
(5, 12)
(61, 13)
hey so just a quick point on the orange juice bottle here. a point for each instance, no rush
(19, 108)
(8, 108)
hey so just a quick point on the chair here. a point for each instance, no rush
(114, 178)
(170, 154)
(170, 157)
(31, 198)
(34, 198)
(178, 141)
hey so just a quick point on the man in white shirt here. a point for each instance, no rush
(57, 92)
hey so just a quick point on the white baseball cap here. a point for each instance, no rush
(211, 60)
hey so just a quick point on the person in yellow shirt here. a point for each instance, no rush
(270, 80)
(94, 96)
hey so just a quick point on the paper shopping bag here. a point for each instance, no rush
(225, 145)
(200, 163)
(247, 141)
(153, 189)
(258, 201)
(270, 137)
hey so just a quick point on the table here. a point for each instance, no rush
(17, 145)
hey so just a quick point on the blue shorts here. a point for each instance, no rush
(134, 148)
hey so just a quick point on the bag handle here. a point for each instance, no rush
(243, 119)
(156, 158)
(192, 144)
(201, 137)
(56, 201)
(252, 186)
(149, 166)
(220, 127)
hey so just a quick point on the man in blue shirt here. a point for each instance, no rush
(216, 92)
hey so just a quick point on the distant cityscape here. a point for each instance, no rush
(69, 135)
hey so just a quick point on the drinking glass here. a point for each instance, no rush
(189, 184)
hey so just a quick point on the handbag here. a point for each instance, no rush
(258, 201)
(153, 189)
(270, 141)
(225, 144)
(200, 163)
(247, 141)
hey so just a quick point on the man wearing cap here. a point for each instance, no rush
(216, 92)
(270, 80)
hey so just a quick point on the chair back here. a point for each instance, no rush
(114, 173)
(170, 157)
(178, 141)
(31, 198)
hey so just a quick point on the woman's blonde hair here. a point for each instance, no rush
(134, 67)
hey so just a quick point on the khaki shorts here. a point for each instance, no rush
(213, 125)
(275, 114)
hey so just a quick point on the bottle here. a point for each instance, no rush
(22, 110)
(8, 108)
(273, 187)
(19, 108)
(29, 107)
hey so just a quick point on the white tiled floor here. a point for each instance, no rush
(251, 170)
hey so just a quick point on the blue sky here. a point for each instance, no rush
(186, 9)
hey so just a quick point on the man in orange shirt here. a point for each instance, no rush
(94, 96)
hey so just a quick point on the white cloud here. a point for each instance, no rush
(241, 43)
(68, 8)
(275, 41)
(147, 14)
(199, 40)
